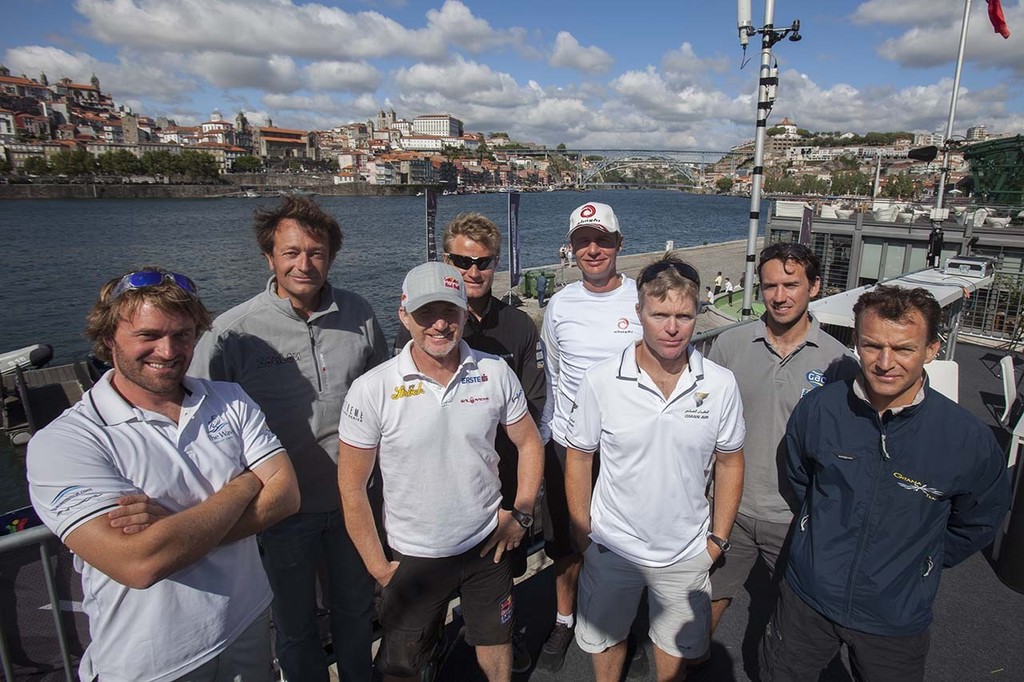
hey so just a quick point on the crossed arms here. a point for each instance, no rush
(140, 543)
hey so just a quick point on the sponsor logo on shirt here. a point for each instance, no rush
(353, 413)
(697, 413)
(700, 397)
(217, 429)
(72, 497)
(516, 398)
(276, 360)
(479, 379)
(408, 391)
(540, 356)
(475, 399)
(910, 484)
(622, 326)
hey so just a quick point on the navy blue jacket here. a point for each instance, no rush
(883, 503)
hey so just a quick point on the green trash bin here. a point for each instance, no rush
(550, 288)
(530, 284)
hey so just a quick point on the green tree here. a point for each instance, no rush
(120, 162)
(5, 166)
(776, 130)
(36, 165)
(812, 184)
(803, 132)
(75, 163)
(724, 184)
(900, 187)
(851, 183)
(560, 147)
(198, 165)
(247, 164)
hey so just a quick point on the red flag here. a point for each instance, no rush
(995, 15)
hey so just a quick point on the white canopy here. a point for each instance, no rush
(947, 289)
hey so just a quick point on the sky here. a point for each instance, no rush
(594, 75)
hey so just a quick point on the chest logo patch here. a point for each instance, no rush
(478, 379)
(409, 391)
(700, 398)
(816, 377)
(217, 429)
(910, 484)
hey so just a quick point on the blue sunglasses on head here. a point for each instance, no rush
(151, 278)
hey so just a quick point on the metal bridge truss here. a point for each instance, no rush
(693, 172)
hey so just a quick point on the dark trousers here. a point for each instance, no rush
(799, 642)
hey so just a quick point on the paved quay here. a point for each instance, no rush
(727, 257)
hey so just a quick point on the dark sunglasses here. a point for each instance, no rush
(466, 262)
(151, 278)
(655, 269)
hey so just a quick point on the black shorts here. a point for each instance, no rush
(557, 533)
(414, 604)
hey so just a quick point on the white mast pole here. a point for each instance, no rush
(937, 214)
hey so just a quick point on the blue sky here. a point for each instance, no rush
(597, 74)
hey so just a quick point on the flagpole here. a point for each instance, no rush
(938, 215)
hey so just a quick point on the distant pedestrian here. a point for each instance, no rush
(709, 300)
(542, 290)
(935, 243)
(563, 255)
(729, 289)
(718, 283)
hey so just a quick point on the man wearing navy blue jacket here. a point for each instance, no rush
(892, 482)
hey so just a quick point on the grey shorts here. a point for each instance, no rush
(750, 538)
(679, 600)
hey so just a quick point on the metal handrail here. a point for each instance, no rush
(39, 536)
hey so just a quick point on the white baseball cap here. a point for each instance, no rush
(593, 214)
(432, 281)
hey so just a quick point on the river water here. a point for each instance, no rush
(57, 253)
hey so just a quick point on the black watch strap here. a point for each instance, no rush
(522, 518)
(723, 543)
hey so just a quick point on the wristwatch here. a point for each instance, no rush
(523, 519)
(723, 545)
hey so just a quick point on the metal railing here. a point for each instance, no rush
(41, 538)
(997, 313)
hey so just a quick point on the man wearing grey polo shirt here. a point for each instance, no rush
(776, 361)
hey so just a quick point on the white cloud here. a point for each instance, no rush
(458, 26)
(935, 45)
(318, 103)
(682, 66)
(648, 92)
(256, 27)
(569, 54)
(275, 73)
(463, 82)
(343, 76)
(908, 12)
(134, 76)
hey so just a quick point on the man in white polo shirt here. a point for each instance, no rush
(662, 416)
(157, 482)
(585, 322)
(432, 413)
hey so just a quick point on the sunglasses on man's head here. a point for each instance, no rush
(655, 269)
(467, 262)
(151, 278)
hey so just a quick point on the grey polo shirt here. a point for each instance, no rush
(770, 387)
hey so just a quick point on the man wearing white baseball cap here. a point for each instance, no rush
(432, 413)
(585, 322)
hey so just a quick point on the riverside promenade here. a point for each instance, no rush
(728, 258)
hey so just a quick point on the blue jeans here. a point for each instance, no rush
(292, 549)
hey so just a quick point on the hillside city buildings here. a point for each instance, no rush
(42, 119)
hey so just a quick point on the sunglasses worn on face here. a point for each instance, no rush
(466, 262)
(652, 271)
(151, 278)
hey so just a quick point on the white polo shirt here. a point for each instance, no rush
(102, 448)
(582, 327)
(656, 454)
(437, 457)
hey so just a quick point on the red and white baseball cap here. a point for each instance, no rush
(593, 214)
